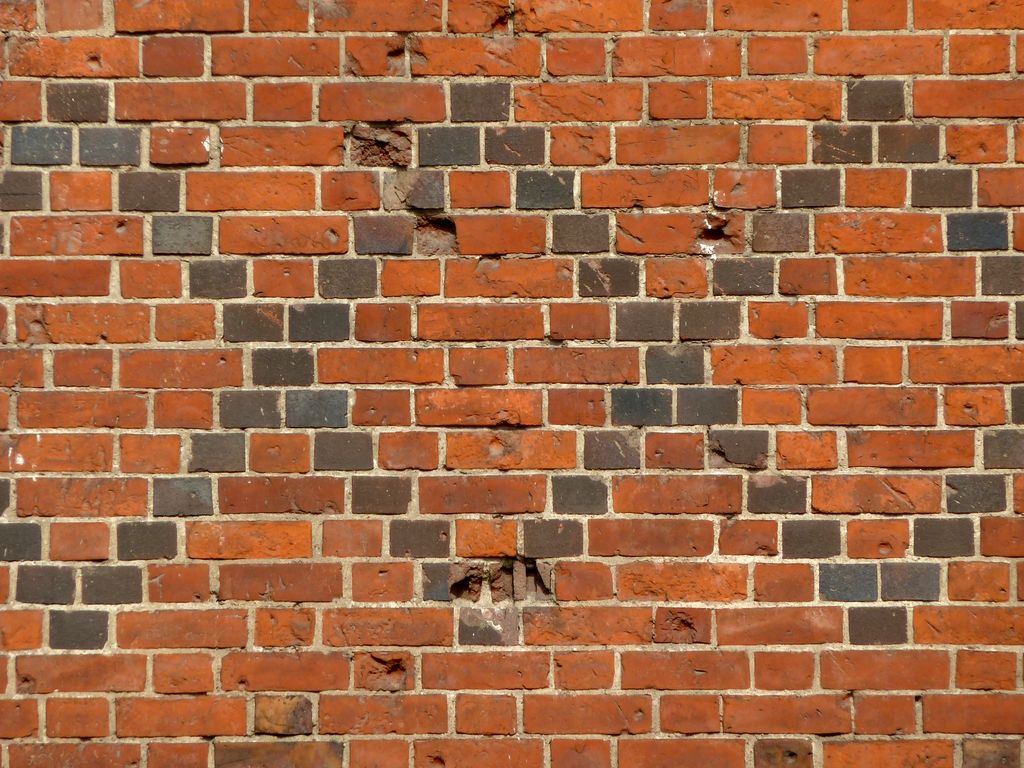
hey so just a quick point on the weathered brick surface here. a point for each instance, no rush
(556, 383)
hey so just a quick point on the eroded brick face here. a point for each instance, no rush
(549, 384)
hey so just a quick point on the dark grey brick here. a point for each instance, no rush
(480, 102)
(318, 322)
(941, 188)
(435, 582)
(77, 102)
(254, 322)
(706, 405)
(347, 278)
(182, 235)
(21, 191)
(516, 145)
(579, 233)
(282, 367)
(5, 494)
(810, 187)
(635, 406)
(381, 495)
(908, 143)
(148, 191)
(781, 233)
(848, 582)
(943, 538)
(40, 145)
(746, 448)
(1016, 400)
(449, 145)
(611, 450)
(681, 364)
(316, 408)
(45, 584)
(910, 581)
(877, 626)
(609, 277)
(706, 320)
(488, 626)
(252, 408)
(20, 541)
(578, 495)
(552, 538)
(109, 146)
(1004, 449)
(991, 753)
(111, 585)
(776, 494)
(843, 144)
(182, 496)
(78, 630)
(810, 538)
(643, 321)
(217, 279)
(875, 100)
(977, 232)
(967, 494)
(213, 452)
(384, 234)
(343, 450)
(746, 276)
(420, 190)
(420, 538)
(147, 541)
(545, 189)
(1004, 276)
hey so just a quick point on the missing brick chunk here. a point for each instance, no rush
(435, 236)
(381, 147)
(504, 580)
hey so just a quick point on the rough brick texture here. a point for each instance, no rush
(469, 383)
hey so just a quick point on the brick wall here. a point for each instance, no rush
(442, 383)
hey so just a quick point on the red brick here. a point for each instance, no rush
(276, 57)
(363, 16)
(467, 56)
(181, 629)
(779, 626)
(776, 100)
(572, 102)
(664, 753)
(198, 716)
(74, 57)
(284, 672)
(685, 670)
(678, 494)
(676, 56)
(883, 55)
(784, 16)
(381, 102)
(180, 101)
(853, 753)
(583, 713)
(191, 16)
(781, 714)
